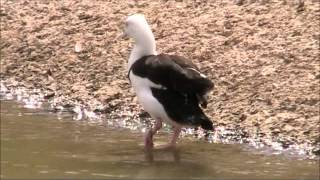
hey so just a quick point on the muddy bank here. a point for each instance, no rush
(262, 56)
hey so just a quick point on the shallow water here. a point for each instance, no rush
(36, 143)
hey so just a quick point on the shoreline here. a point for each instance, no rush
(35, 99)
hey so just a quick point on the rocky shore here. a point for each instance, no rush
(263, 56)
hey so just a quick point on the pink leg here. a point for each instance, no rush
(173, 142)
(148, 140)
(176, 133)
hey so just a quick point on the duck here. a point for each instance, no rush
(170, 88)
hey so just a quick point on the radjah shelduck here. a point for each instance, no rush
(169, 87)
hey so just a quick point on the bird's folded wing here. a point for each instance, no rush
(177, 73)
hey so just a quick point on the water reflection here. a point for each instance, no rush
(173, 152)
(37, 144)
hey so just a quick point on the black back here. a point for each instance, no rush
(173, 72)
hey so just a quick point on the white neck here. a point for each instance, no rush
(144, 45)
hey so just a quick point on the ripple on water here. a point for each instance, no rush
(43, 172)
(72, 172)
(102, 175)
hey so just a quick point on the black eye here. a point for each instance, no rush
(126, 23)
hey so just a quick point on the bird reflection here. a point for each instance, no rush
(150, 154)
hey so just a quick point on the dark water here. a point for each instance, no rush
(38, 144)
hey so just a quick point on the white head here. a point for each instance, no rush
(136, 27)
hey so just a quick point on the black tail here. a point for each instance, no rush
(206, 124)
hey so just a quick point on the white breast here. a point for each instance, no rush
(142, 87)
